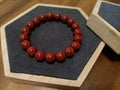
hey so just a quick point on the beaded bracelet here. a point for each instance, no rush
(50, 56)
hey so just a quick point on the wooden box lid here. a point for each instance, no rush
(105, 22)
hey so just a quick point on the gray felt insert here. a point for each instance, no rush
(111, 13)
(51, 36)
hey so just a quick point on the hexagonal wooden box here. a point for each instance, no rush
(104, 21)
(9, 44)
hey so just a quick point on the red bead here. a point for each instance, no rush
(30, 25)
(25, 30)
(78, 38)
(39, 55)
(23, 37)
(75, 26)
(31, 50)
(36, 21)
(64, 18)
(75, 45)
(25, 44)
(50, 57)
(70, 21)
(42, 17)
(77, 32)
(69, 52)
(57, 16)
(60, 56)
(50, 16)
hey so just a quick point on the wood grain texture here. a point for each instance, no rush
(105, 74)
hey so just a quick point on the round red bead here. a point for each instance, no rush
(25, 30)
(31, 50)
(77, 32)
(50, 16)
(26, 44)
(30, 25)
(78, 38)
(39, 55)
(69, 52)
(57, 16)
(36, 21)
(75, 26)
(60, 56)
(50, 57)
(64, 18)
(23, 37)
(42, 17)
(70, 21)
(75, 45)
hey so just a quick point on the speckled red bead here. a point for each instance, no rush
(30, 25)
(57, 16)
(23, 37)
(42, 17)
(36, 21)
(75, 45)
(50, 16)
(64, 18)
(25, 30)
(78, 38)
(60, 56)
(69, 52)
(25, 44)
(75, 26)
(77, 32)
(31, 50)
(70, 21)
(50, 57)
(39, 55)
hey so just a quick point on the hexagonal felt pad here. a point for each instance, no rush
(111, 13)
(50, 36)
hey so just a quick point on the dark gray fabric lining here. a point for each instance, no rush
(111, 13)
(51, 36)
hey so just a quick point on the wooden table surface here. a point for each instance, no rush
(105, 75)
